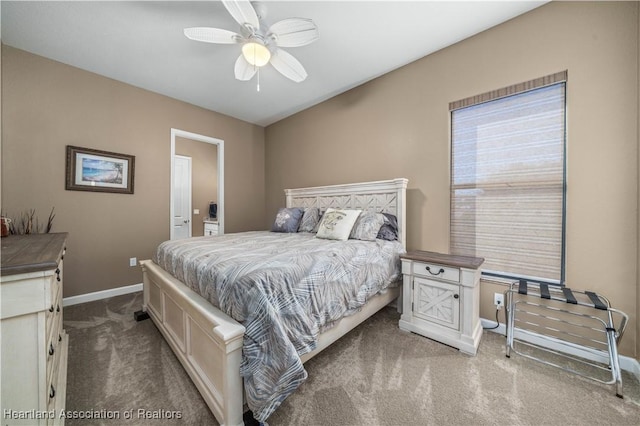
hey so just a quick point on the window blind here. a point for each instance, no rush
(508, 180)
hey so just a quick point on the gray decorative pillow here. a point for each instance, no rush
(310, 220)
(320, 216)
(287, 219)
(389, 231)
(367, 226)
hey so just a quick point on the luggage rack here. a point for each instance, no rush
(560, 321)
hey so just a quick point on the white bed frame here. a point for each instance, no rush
(208, 342)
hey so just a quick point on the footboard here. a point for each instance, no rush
(207, 342)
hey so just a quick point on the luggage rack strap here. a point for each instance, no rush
(597, 303)
(568, 294)
(522, 289)
(544, 291)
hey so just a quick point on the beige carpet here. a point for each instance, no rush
(376, 375)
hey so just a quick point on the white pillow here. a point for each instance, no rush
(337, 224)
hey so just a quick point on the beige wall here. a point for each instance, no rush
(47, 105)
(398, 126)
(204, 178)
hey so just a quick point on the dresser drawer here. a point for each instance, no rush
(54, 333)
(53, 351)
(56, 281)
(433, 270)
(53, 314)
(56, 384)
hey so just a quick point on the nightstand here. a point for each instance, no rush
(441, 298)
(210, 227)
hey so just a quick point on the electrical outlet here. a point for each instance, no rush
(498, 300)
(133, 261)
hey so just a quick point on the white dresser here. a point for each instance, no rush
(441, 298)
(210, 227)
(34, 344)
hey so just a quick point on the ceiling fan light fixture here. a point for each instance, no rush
(256, 54)
(260, 45)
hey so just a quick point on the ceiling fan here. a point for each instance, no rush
(260, 45)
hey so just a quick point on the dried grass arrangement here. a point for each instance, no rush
(27, 223)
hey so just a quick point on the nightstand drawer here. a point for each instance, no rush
(210, 228)
(433, 270)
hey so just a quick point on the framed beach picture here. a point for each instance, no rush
(101, 171)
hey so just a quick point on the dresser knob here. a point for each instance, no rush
(52, 392)
(51, 308)
(51, 350)
(59, 337)
(58, 309)
(455, 296)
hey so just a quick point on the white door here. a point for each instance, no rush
(181, 197)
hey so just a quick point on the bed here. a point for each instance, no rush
(209, 342)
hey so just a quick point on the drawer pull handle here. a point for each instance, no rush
(59, 337)
(441, 271)
(58, 309)
(51, 308)
(51, 350)
(455, 296)
(52, 392)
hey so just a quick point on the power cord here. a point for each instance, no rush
(497, 322)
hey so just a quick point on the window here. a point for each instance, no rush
(508, 179)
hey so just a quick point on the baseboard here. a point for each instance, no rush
(626, 363)
(99, 295)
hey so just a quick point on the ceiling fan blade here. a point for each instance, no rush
(243, 70)
(288, 66)
(294, 32)
(212, 35)
(243, 12)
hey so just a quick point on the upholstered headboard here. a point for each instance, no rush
(386, 196)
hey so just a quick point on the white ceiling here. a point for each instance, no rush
(142, 44)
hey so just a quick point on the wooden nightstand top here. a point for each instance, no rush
(444, 259)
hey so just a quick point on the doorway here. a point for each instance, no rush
(181, 197)
(196, 213)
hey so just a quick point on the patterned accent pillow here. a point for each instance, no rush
(337, 224)
(367, 226)
(310, 219)
(320, 216)
(287, 220)
(389, 231)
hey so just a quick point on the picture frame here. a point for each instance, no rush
(99, 171)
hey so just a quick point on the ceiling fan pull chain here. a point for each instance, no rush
(258, 79)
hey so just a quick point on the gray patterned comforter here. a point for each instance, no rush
(285, 289)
